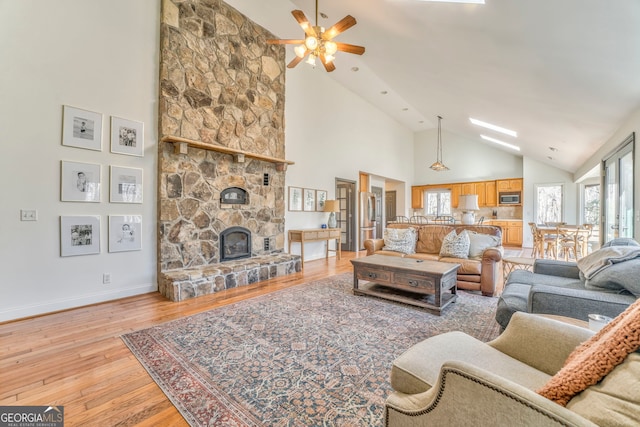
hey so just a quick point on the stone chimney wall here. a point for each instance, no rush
(221, 84)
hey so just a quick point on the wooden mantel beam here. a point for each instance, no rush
(180, 146)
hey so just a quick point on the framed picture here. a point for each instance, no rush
(79, 235)
(127, 137)
(125, 233)
(321, 197)
(81, 128)
(80, 182)
(295, 198)
(309, 200)
(126, 185)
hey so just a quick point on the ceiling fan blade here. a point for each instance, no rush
(295, 62)
(340, 26)
(304, 23)
(329, 66)
(350, 48)
(286, 41)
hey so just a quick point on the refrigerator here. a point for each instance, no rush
(367, 217)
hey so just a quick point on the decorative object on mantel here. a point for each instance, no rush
(319, 43)
(181, 145)
(332, 206)
(468, 203)
(438, 166)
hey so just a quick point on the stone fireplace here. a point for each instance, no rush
(221, 157)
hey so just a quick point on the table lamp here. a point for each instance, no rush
(332, 206)
(468, 203)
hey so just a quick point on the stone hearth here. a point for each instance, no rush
(179, 285)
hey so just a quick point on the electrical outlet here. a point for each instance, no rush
(28, 215)
(106, 278)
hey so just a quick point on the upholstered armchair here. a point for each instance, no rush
(455, 380)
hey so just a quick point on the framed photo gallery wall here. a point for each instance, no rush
(306, 199)
(82, 181)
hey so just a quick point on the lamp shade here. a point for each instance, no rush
(331, 206)
(468, 202)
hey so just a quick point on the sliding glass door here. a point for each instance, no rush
(618, 195)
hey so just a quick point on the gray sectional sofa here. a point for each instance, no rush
(562, 288)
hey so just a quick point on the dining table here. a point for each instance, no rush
(570, 235)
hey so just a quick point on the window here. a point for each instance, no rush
(437, 203)
(548, 203)
(591, 197)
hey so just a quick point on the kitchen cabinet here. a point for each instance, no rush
(491, 194)
(480, 190)
(417, 196)
(511, 232)
(509, 185)
(455, 194)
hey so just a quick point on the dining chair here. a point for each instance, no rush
(444, 219)
(418, 219)
(401, 219)
(583, 239)
(569, 242)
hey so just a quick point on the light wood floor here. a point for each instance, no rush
(76, 359)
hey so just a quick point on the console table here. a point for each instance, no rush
(315, 235)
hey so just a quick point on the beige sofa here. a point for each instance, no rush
(455, 380)
(481, 273)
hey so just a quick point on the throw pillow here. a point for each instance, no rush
(455, 245)
(400, 240)
(480, 241)
(592, 360)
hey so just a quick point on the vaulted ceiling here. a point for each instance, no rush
(561, 73)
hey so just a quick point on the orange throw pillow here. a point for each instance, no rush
(595, 358)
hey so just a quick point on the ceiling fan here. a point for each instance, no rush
(319, 43)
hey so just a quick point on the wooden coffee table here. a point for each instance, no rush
(426, 284)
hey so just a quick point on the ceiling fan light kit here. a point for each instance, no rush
(318, 43)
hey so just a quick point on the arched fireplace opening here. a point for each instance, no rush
(235, 243)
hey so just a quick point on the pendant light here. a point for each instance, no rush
(438, 166)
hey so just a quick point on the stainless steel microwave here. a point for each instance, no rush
(509, 198)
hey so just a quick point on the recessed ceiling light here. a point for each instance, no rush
(405, 109)
(493, 127)
(553, 149)
(384, 92)
(458, 1)
(324, 15)
(421, 121)
(354, 69)
(497, 141)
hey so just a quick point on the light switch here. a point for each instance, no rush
(28, 215)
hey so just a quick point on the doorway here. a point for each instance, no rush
(390, 205)
(346, 197)
(618, 192)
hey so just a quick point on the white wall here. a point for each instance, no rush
(467, 160)
(100, 56)
(332, 133)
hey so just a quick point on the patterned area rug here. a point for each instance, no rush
(311, 355)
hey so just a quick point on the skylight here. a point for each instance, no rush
(497, 141)
(493, 127)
